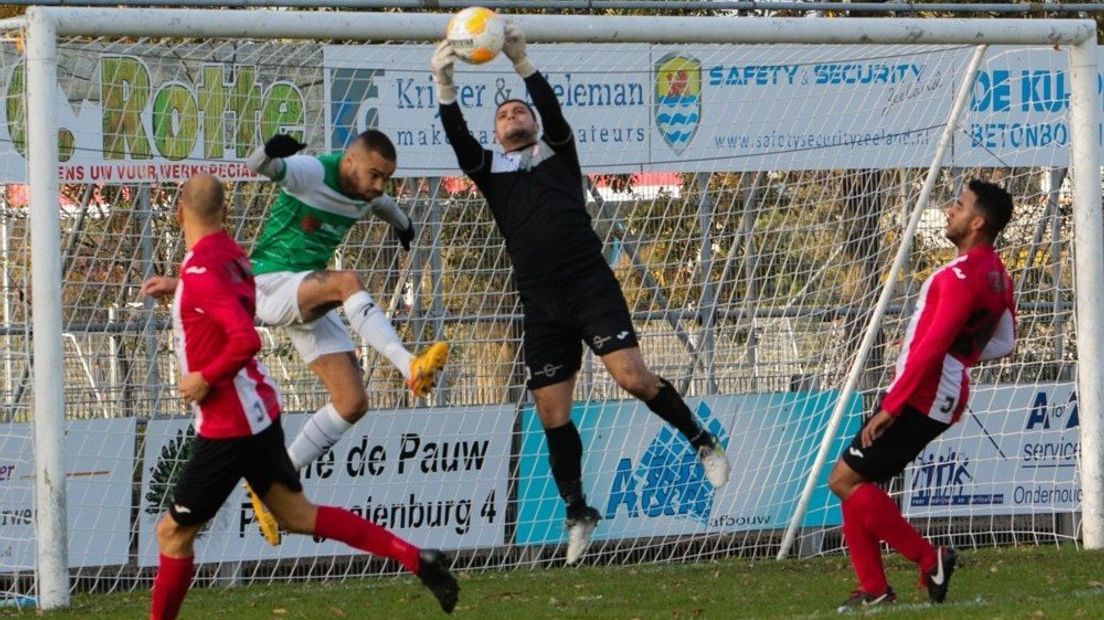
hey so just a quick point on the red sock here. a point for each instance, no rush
(174, 577)
(340, 524)
(882, 518)
(864, 549)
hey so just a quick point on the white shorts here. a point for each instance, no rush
(278, 306)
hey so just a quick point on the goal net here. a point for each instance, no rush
(751, 199)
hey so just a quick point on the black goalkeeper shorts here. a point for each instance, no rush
(561, 315)
(894, 449)
(216, 465)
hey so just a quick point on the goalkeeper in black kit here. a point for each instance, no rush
(534, 188)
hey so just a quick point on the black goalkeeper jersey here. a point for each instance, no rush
(535, 194)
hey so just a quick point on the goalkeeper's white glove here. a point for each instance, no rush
(514, 48)
(444, 57)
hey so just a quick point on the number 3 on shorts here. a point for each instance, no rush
(948, 405)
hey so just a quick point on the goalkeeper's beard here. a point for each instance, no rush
(520, 136)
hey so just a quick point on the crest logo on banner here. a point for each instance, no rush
(678, 87)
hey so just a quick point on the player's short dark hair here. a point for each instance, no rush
(995, 204)
(376, 140)
(522, 102)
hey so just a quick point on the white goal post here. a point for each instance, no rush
(44, 26)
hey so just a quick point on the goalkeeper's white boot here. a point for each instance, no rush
(714, 461)
(425, 368)
(269, 528)
(580, 529)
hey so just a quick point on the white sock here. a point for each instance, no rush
(376, 330)
(319, 434)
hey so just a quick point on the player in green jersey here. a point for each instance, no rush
(321, 198)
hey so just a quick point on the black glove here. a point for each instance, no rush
(405, 235)
(282, 145)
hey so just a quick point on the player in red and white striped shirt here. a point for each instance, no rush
(238, 415)
(215, 341)
(965, 314)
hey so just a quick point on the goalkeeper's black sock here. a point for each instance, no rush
(668, 405)
(565, 456)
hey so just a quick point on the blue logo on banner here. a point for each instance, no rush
(941, 480)
(351, 93)
(1045, 416)
(669, 480)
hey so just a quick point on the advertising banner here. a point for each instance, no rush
(1014, 452)
(646, 480)
(99, 461)
(436, 477)
(140, 116)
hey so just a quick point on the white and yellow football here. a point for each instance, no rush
(477, 34)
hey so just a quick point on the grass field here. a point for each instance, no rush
(992, 583)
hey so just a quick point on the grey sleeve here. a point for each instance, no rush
(385, 208)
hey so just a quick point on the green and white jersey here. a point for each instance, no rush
(309, 219)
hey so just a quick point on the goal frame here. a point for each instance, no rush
(44, 25)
